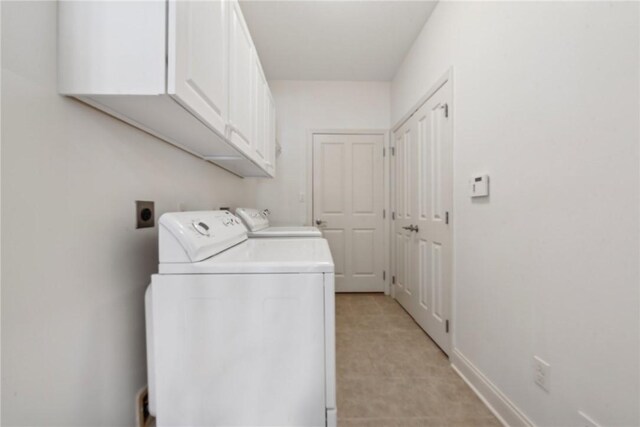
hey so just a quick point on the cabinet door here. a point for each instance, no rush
(260, 112)
(198, 58)
(271, 136)
(241, 67)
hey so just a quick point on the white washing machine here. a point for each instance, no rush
(240, 332)
(257, 223)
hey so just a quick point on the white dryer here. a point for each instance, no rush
(239, 332)
(257, 223)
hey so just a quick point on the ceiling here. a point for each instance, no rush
(334, 40)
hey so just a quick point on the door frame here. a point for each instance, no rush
(386, 221)
(447, 77)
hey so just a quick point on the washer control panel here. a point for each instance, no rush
(201, 227)
(195, 236)
(254, 219)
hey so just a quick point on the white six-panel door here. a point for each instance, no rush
(423, 201)
(404, 148)
(348, 204)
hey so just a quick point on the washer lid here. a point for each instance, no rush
(286, 232)
(279, 255)
(185, 237)
(252, 218)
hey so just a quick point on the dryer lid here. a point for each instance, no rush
(302, 231)
(254, 220)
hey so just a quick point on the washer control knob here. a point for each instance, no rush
(201, 227)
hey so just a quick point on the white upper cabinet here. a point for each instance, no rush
(198, 58)
(242, 96)
(185, 71)
(260, 110)
(271, 137)
(264, 120)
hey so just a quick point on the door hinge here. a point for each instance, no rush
(393, 280)
(446, 110)
(393, 215)
(384, 213)
(446, 218)
(393, 151)
(384, 275)
(384, 152)
(446, 325)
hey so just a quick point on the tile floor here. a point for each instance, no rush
(391, 374)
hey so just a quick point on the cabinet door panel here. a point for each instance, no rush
(271, 136)
(260, 111)
(241, 96)
(266, 113)
(198, 57)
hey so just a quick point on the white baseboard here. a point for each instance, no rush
(505, 410)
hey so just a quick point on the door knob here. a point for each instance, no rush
(415, 228)
(410, 228)
(320, 222)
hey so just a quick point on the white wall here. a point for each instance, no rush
(546, 103)
(311, 105)
(74, 268)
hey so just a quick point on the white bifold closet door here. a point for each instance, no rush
(347, 206)
(423, 200)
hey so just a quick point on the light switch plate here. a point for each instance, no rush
(541, 373)
(479, 186)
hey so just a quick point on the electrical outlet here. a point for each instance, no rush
(145, 214)
(143, 417)
(541, 373)
(586, 421)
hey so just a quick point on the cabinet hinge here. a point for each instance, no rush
(446, 218)
(393, 215)
(384, 275)
(393, 280)
(446, 325)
